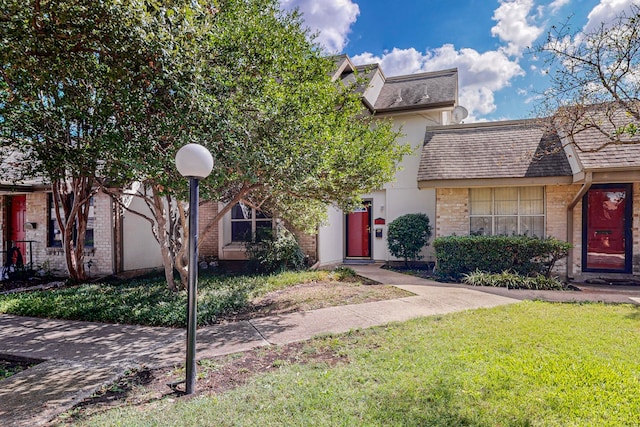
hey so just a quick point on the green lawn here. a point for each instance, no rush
(528, 364)
(149, 301)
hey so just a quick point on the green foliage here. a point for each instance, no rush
(459, 255)
(343, 273)
(511, 280)
(526, 364)
(275, 251)
(148, 301)
(407, 235)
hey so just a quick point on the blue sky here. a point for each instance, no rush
(486, 40)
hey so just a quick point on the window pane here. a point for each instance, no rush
(480, 201)
(480, 226)
(532, 201)
(532, 226)
(506, 225)
(240, 231)
(241, 211)
(506, 201)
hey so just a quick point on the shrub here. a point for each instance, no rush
(527, 256)
(275, 251)
(407, 235)
(511, 280)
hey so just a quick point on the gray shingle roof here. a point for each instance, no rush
(513, 149)
(419, 90)
(592, 128)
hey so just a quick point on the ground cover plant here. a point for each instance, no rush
(510, 280)
(148, 301)
(532, 363)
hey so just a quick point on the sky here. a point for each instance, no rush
(488, 41)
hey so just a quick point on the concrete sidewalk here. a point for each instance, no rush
(81, 357)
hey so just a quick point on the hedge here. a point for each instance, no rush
(460, 255)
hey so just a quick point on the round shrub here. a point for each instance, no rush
(407, 235)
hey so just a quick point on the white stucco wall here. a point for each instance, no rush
(140, 249)
(397, 198)
(330, 238)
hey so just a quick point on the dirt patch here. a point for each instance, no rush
(316, 295)
(9, 367)
(214, 376)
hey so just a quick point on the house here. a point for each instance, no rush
(115, 241)
(529, 177)
(412, 102)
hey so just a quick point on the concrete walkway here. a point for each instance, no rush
(81, 357)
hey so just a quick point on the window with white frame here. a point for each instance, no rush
(247, 222)
(507, 211)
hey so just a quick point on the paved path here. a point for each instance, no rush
(80, 357)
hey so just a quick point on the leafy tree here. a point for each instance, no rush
(407, 235)
(241, 78)
(68, 70)
(595, 79)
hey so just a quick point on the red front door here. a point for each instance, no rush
(359, 232)
(17, 217)
(606, 230)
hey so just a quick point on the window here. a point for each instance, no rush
(507, 211)
(55, 235)
(247, 222)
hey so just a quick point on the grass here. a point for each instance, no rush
(528, 364)
(149, 302)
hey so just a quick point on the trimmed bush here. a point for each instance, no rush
(407, 235)
(524, 255)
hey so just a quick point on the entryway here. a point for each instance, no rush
(606, 229)
(358, 232)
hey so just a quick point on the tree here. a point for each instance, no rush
(67, 71)
(285, 138)
(407, 235)
(595, 79)
(241, 78)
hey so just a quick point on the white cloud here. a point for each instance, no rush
(480, 74)
(514, 26)
(331, 19)
(556, 5)
(606, 12)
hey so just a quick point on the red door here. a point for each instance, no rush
(606, 225)
(17, 217)
(359, 232)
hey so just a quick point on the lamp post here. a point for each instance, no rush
(195, 162)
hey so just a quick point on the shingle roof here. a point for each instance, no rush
(419, 90)
(513, 149)
(592, 127)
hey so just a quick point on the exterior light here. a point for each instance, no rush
(195, 162)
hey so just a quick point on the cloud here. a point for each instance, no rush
(607, 12)
(514, 26)
(556, 5)
(330, 19)
(480, 74)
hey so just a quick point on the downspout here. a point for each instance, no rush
(588, 180)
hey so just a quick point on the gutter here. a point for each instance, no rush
(588, 181)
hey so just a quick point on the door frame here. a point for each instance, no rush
(369, 205)
(628, 229)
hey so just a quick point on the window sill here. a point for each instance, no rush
(60, 251)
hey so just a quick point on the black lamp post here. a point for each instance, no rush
(195, 162)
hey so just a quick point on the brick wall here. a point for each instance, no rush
(452, 212)
(558, 198)
(101, 255)
(208, 245)
(635, 228)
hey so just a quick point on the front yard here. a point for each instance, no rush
(220, 298)
(528, 364)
